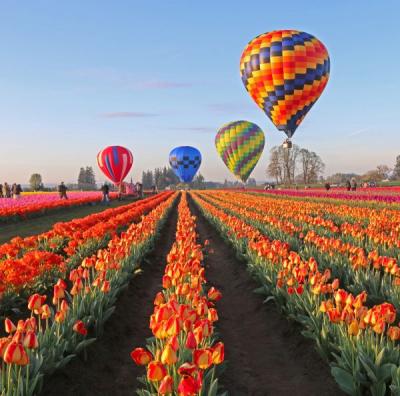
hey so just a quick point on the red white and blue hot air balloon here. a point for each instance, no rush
(115, 162)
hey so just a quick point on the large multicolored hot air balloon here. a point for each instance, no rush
(240, 145)
(115, 162)
(285, 72)
(185, 162)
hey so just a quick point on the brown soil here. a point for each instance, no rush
(266, 355)
(109, 370)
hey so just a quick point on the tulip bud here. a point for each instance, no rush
(168, 356)
(166, 386)
(202, 358)
(79, 327)
(16, 354)
(30, 340)
(9, 326)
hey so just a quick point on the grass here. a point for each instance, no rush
(41, 224)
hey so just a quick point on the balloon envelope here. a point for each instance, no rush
(115, 162)
(240, 145)
(285, 72)
(185, 162)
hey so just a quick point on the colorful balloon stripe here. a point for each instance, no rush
(115, 162)
(285, 72)
(240, 145)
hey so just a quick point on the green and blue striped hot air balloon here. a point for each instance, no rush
(240, 145)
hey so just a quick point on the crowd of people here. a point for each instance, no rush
(10, 191)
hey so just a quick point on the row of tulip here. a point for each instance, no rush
(182, 357)
(55, 332)
(357, 268)
(33, 263)
(389, 196)
(35, 204)
(360, 342)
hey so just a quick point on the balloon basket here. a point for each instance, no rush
(287, 144)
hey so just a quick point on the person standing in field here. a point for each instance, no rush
(7, 190)
(106, 191)
(348, 185)
(62, 189)
(353, 184)
(1, 191)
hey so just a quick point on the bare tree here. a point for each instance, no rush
(282, 165)
(274, 168)
(383, 171)
(312, 166)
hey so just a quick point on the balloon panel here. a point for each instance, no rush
(285, 72)
(115, 162)
(185, 162)
(240, 145)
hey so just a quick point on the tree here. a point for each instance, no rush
(396, 169)
(312, 166)
(147, 179)
(35, 182)
(86, 179)
(198, 181)
(82, 178)
(383, 171)
(282, 165)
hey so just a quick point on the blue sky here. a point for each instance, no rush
(78, 76)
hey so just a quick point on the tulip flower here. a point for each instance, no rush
(141, 356)
(30, 340)
(80, 328)
(166, 386)
(35, 302)
(218, 353)
(156, 371)
(16, 354)
(188, 386)
(202, 358)
(191, 342)
(46, 313)
(9, 326)
(105, 288)
(168, 355)
(214, 294)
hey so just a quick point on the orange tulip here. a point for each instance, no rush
(202, 358)
(46, 313)
(141, 356)
(354, 328)
(159, 299)
(156, 371)
(394, 333)
(3, 345)
(105, 288)
(58, 293)
(35, 302)
(16, 354)
(218, 353)
(214, 294)
(59, 316)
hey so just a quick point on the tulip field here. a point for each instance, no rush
(208, 292)
(33, 204)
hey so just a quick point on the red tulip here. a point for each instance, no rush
(214, 294)
(35, 302)
(191, 341)
(166, 385)
(30, 340)
(141, 356)
(9, 326)
(188, 386)
(156, 371)
(79, 327)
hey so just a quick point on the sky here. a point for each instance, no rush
(77, 76)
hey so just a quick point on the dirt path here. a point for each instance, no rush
(266, 355)
(109, 369)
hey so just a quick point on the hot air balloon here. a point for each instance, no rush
(285, 72)
(240, 145)
(185, 162)
(115, 162)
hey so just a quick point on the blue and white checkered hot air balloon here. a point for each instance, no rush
(185, 162)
